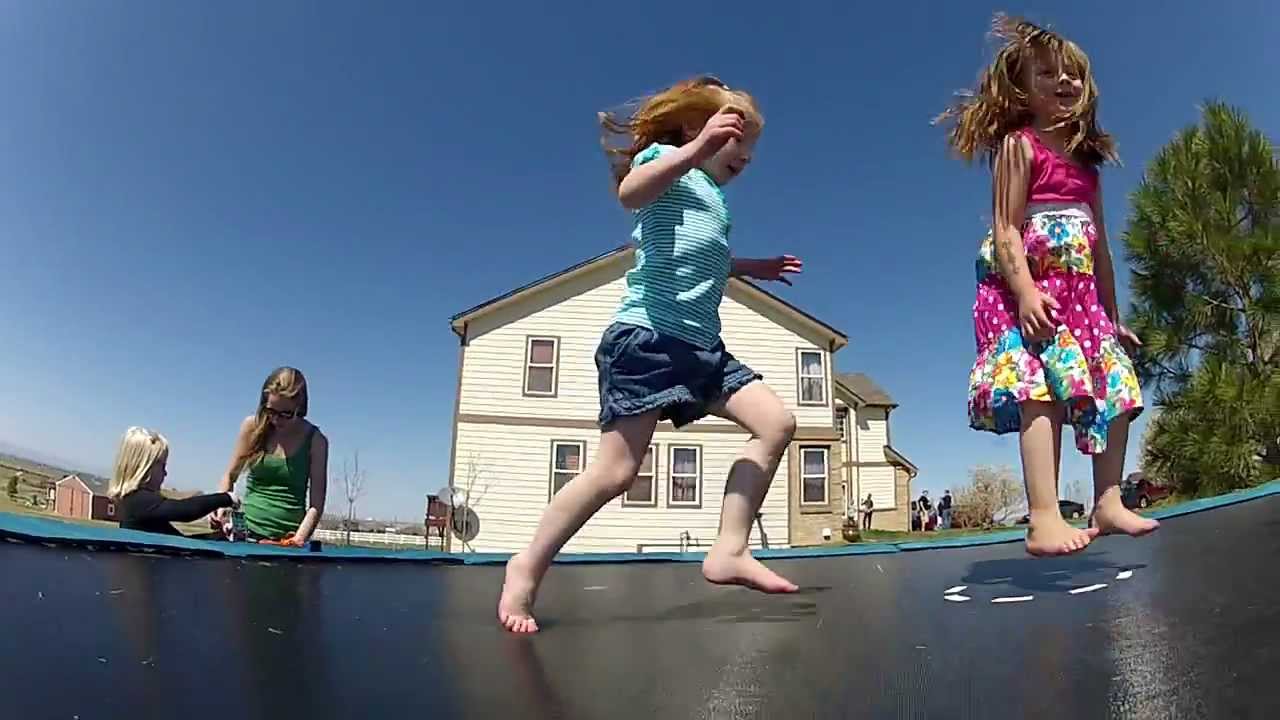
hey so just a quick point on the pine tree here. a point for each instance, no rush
(1203, 244)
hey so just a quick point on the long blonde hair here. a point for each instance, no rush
(666, 116)
(286, 382)
(1000, 105)
(140, 448)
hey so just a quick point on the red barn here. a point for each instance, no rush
(83, 498)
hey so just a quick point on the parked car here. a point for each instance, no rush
(1139, 492)
(1070, 509)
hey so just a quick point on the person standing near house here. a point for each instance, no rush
(925, 506)
(285, 460)
(1050, 346)
(663, 358)
(141, 467)
(868, 507)
(944, 510)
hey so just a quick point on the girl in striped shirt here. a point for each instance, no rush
(662, 358)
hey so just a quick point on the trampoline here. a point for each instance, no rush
(1180, 624)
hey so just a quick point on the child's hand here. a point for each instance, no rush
(773, 269)
(1127, 339)
(218, 518)
(1034, 315)
(725, 125)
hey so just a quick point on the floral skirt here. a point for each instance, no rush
(1082, 368)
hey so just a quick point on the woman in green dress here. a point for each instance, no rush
(284, 459)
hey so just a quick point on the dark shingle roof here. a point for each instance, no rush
(866, 389)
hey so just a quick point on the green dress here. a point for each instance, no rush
(275, 499)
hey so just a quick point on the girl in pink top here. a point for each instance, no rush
(1050, 346)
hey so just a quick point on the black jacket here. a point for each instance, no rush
(149, 511)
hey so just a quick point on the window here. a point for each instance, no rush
(111, 509)
(813, 476)
(842, 420)
(685, 470)
(813, 377)
(644, 490)
(541, 361)
(566, 462)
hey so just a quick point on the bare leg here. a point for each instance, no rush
(617, 460)
(1049, 533)
(758, 410)
(1109, 513)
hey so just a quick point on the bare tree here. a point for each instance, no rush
(991, 497)
(469, 495)
(353, 487)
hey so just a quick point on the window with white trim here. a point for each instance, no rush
(644, 489)
(812, 372)
(541, 359)
(813, 476)
(568, 457)
(684, 473)
(842, 420)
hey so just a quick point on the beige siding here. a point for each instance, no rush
(513, 479)
(770, 349)
(872, 434)
(577, 313)
(879, 481)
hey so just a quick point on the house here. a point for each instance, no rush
(527, 401)
(83, 497)
(872, 466)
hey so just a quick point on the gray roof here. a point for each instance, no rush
(96, 485)
(866, 389)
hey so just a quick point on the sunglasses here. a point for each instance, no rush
(282, 414)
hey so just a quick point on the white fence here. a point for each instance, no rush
(364, 538)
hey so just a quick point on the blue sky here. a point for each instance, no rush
(195, 193)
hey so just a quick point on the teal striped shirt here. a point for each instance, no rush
(682, 259)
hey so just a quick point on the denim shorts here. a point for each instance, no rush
(641, 370)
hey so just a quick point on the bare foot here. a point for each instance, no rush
(1051, 535)
(515, 607)
(1110, 516)
(722, 567)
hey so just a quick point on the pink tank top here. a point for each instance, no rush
(1055, 179)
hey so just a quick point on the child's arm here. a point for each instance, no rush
(766, 268)
(1105, 271)
(155, 506)
(646, 182)
(1009, 205)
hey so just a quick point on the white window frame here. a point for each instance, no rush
(671, 477)
(582, 463)
(826, 475)
(801, 377)
(554, 365)
(842, 420)
(653, 483)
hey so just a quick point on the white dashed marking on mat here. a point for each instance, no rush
(956, 589)
(596, 587)
(1124, 574)
(1087, 588)
(1013, 599)
(956, 598)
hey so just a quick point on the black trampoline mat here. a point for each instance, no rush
(1192, 634)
